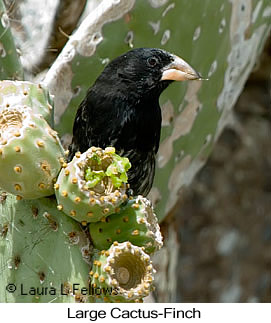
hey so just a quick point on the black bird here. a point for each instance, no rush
(122, 110)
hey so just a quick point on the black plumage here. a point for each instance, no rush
(122, 110)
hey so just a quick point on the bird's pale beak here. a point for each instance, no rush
(179, 70)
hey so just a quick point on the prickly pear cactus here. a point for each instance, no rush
(135, 222)
(30, 150)
(89, 188)
(92, 185)
(221, 39)
(44, 254)
(34, 96)
(124, 273)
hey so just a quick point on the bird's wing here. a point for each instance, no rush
(141, 174)
(103, 123)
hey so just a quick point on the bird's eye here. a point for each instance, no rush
(152, 61)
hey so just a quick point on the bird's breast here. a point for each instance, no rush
(148, 125)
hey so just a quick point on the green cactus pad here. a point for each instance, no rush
(92, 185)
(123, 273)
(44, 253)
(28, 94)
(134, 222)
(30, 153)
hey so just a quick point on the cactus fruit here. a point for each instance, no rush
(30, 153)
(135, 222)
(32, 95)
(92, 185)
(123, 273)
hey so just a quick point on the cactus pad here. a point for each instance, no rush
(92, 185)
(29, 153)
(32, 95)
(124, 273)
(44, 253)
(135, 222)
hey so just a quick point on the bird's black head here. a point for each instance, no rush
(147, 70)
